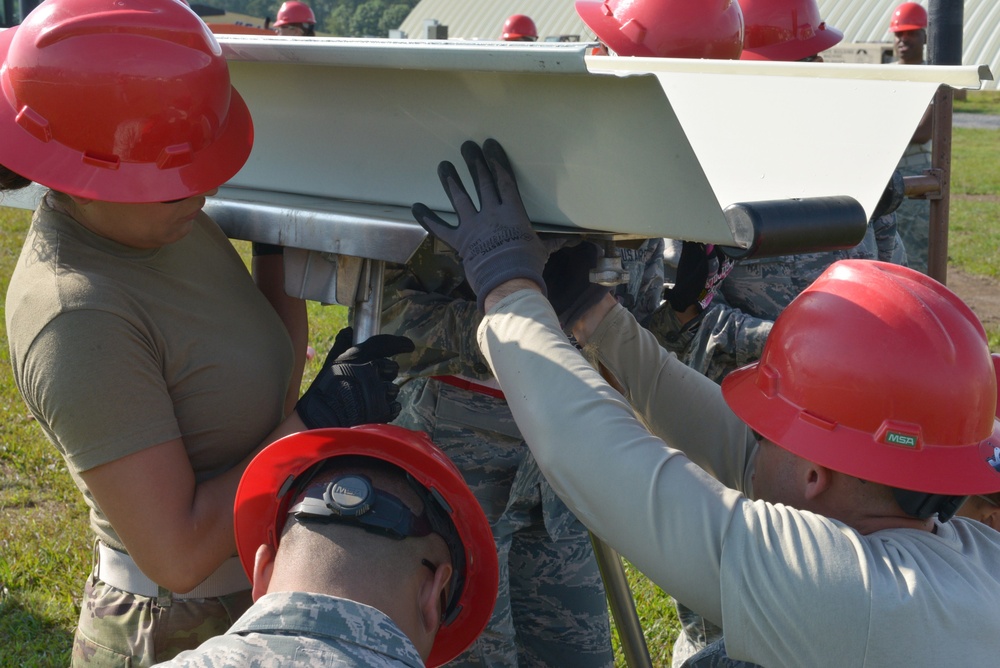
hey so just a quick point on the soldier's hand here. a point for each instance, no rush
(496, 242)
(567, 279)
(355, 386)
(700, 270)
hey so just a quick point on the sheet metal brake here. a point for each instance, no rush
(349, 133)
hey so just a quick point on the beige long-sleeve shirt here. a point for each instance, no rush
(790, 587)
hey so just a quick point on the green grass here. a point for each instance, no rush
(45, 549)
(979, 102)
(975, 172)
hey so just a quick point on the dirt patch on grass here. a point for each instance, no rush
(981, 293)
(976, 198)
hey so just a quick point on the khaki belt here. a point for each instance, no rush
(121, 572)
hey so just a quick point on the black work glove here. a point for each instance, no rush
(700, 270)
(567, 279)
(496, 243)
(355, 384)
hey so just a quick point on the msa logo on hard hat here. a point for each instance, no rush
(897, 438)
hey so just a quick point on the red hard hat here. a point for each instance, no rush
(294, 12)
(518, 27)
(666, 28)
(785, 30)
(882, 373)
(908, 16)
(120, 101)
(263, 498)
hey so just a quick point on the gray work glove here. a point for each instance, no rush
(496, 242)
(355, 384)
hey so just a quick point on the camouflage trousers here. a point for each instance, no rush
(122, 630)
(714, 656)
(551, 608)
(695, 635)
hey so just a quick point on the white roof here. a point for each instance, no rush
(862, 21)
(483, 19)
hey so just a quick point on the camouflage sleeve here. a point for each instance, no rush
(715, 343)
(888, 241)
(428, 302)
(644, 291)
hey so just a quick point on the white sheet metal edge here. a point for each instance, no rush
(631, 146)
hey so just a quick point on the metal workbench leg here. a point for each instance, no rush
(937, 253)
(368, 304)
(622, 606)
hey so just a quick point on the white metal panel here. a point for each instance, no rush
(767, 130)
(370, 121)
(604, 149)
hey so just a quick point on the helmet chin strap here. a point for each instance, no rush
(922, 505)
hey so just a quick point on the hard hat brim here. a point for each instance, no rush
(795, 49)
(959, 470)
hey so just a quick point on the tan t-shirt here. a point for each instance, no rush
(116, 349)
(791, 588)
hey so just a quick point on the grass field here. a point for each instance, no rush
(45, 549)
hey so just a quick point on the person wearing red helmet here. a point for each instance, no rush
(519, 28)
(908, 26)
(138, 339)
(808, 502)
(552, 607)
(365, 546)
(448, 391)
(295, 19)
(718, 314)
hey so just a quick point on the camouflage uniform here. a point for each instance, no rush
(914, 215)
(731, 333)
(307, 631)
(644, 291)
(551, 607)
(146, 629)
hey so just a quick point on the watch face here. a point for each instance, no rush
(350, 495)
